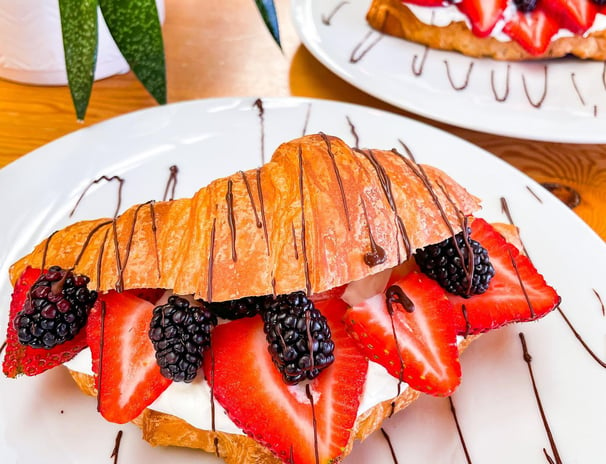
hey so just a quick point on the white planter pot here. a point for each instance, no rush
(31, 46)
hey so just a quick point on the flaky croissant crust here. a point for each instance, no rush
(317, 216)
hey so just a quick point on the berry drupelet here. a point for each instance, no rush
(299, 338)
(237, 309)
(55, 310)
(180, 332)
(442, 262)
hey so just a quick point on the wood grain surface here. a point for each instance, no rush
(219, 49)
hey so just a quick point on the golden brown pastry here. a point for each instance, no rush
(394, 17)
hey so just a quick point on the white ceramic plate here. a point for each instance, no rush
(45, 419)
(453, 88)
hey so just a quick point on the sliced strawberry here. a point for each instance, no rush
(22, 359)
(575, 15)
(149, 294)
(417, 346)
(516, 293)
(430, 2)
(246, 383)
(128, 377)
(483, 14)
(533, 30)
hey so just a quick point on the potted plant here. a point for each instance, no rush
(134, 26)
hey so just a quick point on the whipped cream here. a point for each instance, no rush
(191, 401)
(443, 16)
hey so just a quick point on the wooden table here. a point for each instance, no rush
(217, 49)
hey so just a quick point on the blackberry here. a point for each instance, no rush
(442, 262)
(299, 338)
(180, 332)
(525, 6)
(599, 2)
(55, 310)
(238, 309)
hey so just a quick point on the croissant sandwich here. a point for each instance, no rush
(254, 320)
(499, 29)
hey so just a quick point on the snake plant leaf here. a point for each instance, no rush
(268, 13)
(135, 27)
(80, 37)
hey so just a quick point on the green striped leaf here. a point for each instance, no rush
(135, 27)
(79, 31)
(268, 13)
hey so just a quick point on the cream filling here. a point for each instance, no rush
(443, 16)
(191, 401)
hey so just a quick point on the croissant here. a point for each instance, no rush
(276, 229)
(318, 217)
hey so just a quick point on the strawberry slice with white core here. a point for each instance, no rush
(516, 293)
(575, 15)
(533, 30)
(246, 383)
(417, 346)
(128, 377)
(483, 14)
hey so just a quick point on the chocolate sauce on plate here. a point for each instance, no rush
(261, 111)
(116, 450)
(389, 443)
(459, 431)
(465, 83)
(326, 19)
(497, 97)
(537, 104)
(171, 183)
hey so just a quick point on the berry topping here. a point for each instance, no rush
(525, 5)
(575, 15)
(532, 30)
(23, 359)
(305, 423)
(447, 263)
(237, 309)
(55, 310)
(299, 338)
(410, 331)
(516, 293)
(128, 377)
(180, 332)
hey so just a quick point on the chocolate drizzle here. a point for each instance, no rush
(395, 295)
(262, 206)
(231, 220)
(211, 261)
(376, 255)
(171, 183)
(417, 69)
(326, 19)
(576, 88)
(353, 131)
(306, 122)
(252, 201)
(538, 103)
(581, 340)
(391, 449)
(101, 349)
(314, 422)
(505, 209)
(528, 359)
(119, 285)
(259, 104)
(338, 176)
(45, 252)
(89, 237)
(303, 240)
(358, 53)
(116, 450)
(390, 311)
(118, 179)
(100, 258)
(211, 383)
(459, 431)
(3, 346)
(465, 83)
(505, 95)
(597, 295)
(294, 241)
(386, 186)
